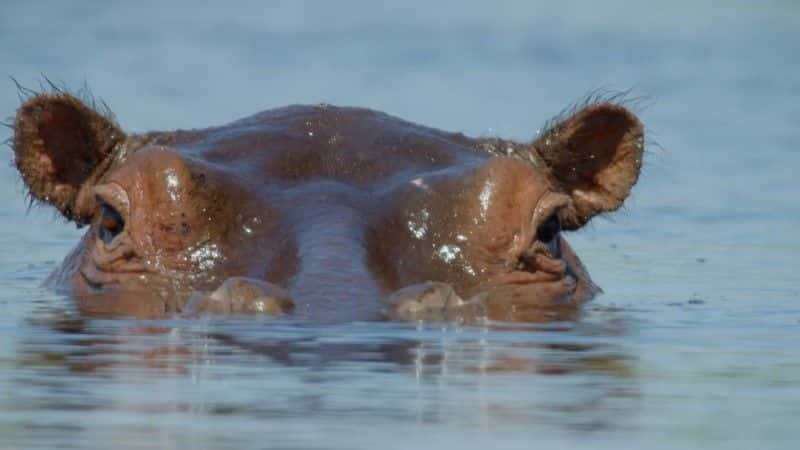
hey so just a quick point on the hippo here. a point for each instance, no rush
(324, 213)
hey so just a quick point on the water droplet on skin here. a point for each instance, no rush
(205, 257)
(419, 182)
(418, 231)
(485, 198)
(172, 186)
(448, 253)
(418, 225)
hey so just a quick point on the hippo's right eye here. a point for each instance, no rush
(111, 223)
(549, 229)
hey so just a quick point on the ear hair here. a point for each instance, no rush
(50, 87)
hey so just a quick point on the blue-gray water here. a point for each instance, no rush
(695, 344)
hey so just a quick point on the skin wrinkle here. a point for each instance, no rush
(339, 207)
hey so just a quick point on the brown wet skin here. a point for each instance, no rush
(325, 213)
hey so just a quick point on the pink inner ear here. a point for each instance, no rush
(65, 133)
(47, 165)
(592, 147)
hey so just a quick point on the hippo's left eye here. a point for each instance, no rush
(111, 223)
(549, 229)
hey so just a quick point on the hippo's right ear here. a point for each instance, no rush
(61, 147)
(594, 156)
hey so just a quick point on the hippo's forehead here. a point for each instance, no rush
(299, 145)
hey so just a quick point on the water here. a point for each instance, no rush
(694, 344)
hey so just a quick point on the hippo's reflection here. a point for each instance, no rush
(171, 344)
(499, 373)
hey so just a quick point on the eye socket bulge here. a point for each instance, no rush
(110, 224)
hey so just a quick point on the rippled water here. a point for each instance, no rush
(694, 344)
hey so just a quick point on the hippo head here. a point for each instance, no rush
(334, 213)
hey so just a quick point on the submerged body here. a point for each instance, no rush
(325, 212)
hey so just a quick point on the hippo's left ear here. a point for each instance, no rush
(61, 146)
(594, 156)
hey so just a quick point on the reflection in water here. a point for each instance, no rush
(554, 376)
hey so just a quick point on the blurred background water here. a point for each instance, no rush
(693, 345)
